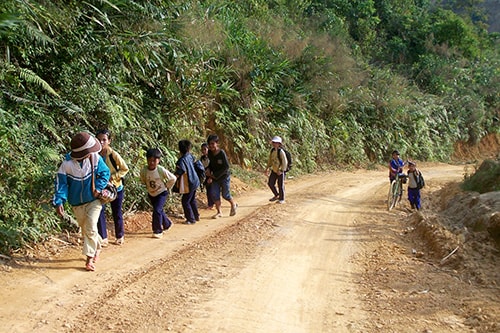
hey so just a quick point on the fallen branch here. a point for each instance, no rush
(449, 255)
(5, 257)
(60, 240)
(130, 209)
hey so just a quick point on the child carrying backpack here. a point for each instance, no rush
(415, 184)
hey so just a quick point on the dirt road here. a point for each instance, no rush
(314, 264)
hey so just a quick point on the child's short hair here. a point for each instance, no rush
(212, 137)
(411, 163)
(204, 145)
(104, 131)
(184, 146)
(153, 152)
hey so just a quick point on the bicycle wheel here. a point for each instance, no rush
(392, 196)
(399, 195)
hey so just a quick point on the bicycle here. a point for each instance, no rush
(396, 190)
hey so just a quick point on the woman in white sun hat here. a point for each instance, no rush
(276, 167)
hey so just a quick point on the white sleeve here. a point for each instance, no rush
(170, 179)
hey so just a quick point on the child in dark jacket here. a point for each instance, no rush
(219, 176)
(188, 181)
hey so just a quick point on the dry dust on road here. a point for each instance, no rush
(332, 259)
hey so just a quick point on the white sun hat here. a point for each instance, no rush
(276, 139)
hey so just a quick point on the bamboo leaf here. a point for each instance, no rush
(30, 77)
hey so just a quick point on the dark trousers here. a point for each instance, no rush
(273, 178)
(414, 197)
(116, 210)
(160, 220)
(190, 206)
(210, 200)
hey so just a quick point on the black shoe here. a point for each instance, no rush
(274, 198)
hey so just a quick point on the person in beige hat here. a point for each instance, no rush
(80, 180)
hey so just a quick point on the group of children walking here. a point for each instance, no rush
(85, 172)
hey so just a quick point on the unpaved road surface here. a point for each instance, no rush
(332, 259)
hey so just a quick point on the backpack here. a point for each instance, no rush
(288, 158)
(113, 163)
(420, 181)
(200, 171)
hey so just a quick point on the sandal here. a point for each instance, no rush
(96, 255)
(233, 209)
(89, 266)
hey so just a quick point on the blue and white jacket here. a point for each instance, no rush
(74, 180)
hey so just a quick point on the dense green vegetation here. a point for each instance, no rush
(486, 178)
(342, 81)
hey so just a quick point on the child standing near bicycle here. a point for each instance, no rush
(415, 183)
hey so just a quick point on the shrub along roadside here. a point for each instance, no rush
(485, 179)
(313, 73)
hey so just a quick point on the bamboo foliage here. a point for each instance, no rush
(343, 82)
(30, 77)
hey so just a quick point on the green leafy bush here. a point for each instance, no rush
(485, 179)
(343, 82)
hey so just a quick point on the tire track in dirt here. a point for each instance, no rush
(303, 281)
(166, 290)
(298, 267)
